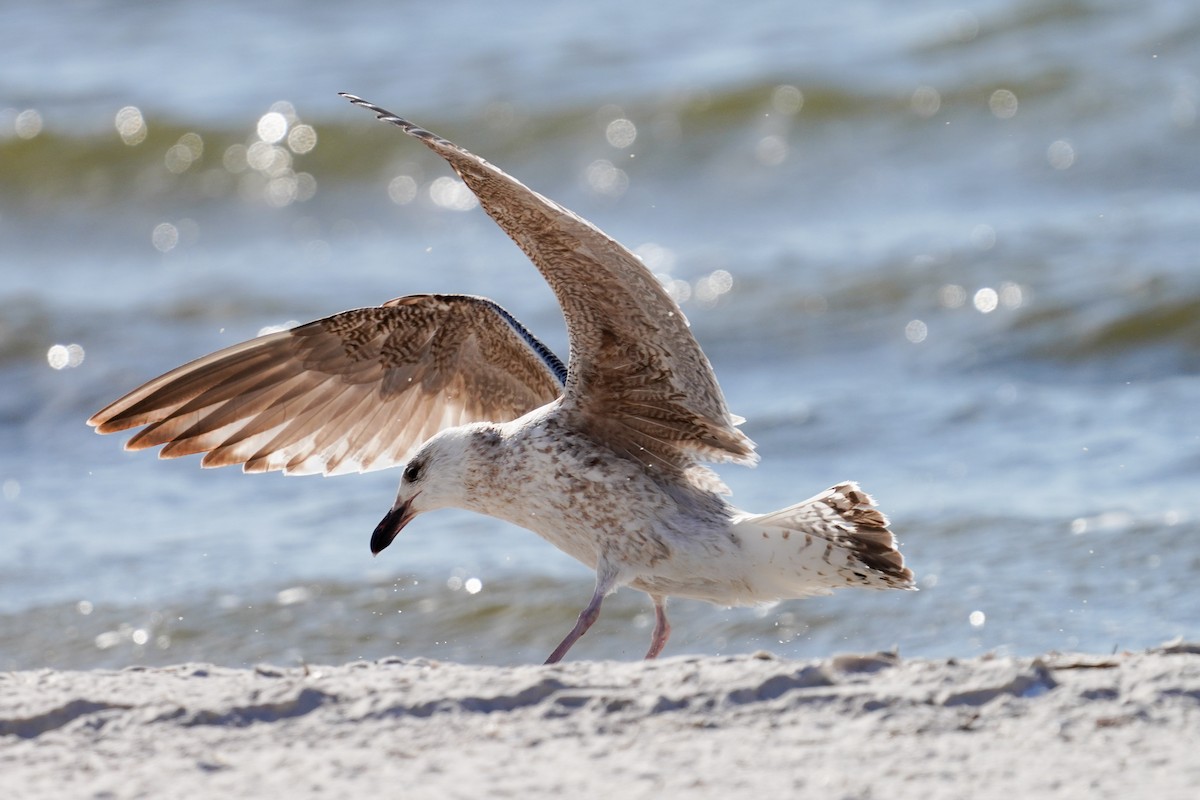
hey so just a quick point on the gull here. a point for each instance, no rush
(603, 457)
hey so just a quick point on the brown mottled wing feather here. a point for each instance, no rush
(636, 374)
(350, 393)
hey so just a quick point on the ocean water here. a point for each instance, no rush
(951, 251)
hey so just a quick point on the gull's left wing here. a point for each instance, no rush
(637, 379)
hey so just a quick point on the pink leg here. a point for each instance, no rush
(605, 579)
(586, 618)
(662, 629)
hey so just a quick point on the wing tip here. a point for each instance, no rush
(408, 127)
(109, 419)
(113, 424)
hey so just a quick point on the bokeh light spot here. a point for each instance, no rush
(164, 237)
(178, 159)
(306, 187)
(107, 640)
(281, 191)
(402, 189)
(64, 356)
(302, 139)
(293, 594)
(272, 127)
(787, 99)
(710, 288)
(28, 124)
(131, 126)
(679, 291)
(986, 300)
(621, 133)
(606, 179)
(916, 331)
(1011, 295)
(193, 143)
(1060, 154)
(452, 194)
(285, 108)
(952, 296)
(771, 150)
(235, 158)
(925, 101)
(656, 257)
(1003, 104)
(268, 159)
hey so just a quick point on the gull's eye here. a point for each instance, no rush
(412, 473)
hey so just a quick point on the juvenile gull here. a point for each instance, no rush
(601, 458)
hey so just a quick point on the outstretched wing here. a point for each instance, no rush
(636, 375)
(349, 393)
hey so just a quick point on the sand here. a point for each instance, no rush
(851, 726)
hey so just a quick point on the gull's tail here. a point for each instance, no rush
(838, 538)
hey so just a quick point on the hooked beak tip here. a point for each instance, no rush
(389, 527)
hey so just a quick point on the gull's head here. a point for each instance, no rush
(440, 475)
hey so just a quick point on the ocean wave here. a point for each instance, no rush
(1165, 328)
(280, 157)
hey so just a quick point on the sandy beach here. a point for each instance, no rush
(851, 726)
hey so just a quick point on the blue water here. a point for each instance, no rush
(963, 248)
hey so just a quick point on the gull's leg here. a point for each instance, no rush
(606, 579)
(586, 618)
(662, 628)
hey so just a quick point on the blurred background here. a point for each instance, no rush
(948, 250)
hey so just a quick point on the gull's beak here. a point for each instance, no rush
(390, 526)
